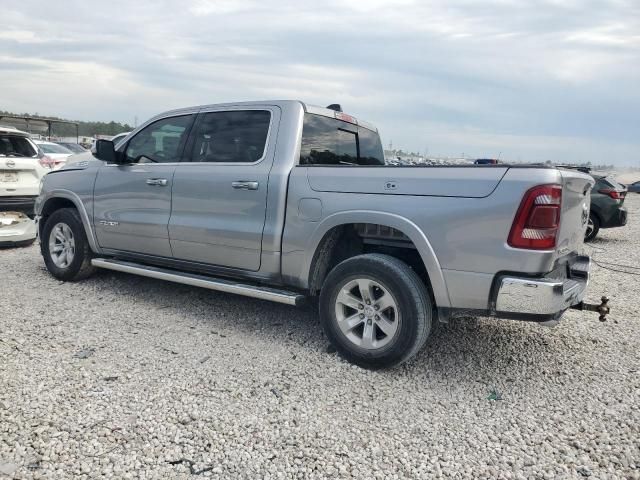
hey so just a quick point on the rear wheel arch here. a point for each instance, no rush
(333, 242)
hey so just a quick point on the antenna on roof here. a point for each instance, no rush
(335, 106)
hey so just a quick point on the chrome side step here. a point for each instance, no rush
(222, 285)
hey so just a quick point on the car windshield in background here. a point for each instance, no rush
(328, 141)
(74, 147)
(611, 181)
(16, 146)
(53, 148)
(608, 182)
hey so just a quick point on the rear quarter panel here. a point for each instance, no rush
(467, 235)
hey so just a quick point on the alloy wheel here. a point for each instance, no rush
(367, 313)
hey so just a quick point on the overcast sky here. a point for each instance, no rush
(530, 80)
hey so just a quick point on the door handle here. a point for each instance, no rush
(244, 185)
(161, 182)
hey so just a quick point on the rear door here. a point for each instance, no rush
(220, 196)
(132, 201)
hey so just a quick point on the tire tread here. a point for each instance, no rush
(417, 292)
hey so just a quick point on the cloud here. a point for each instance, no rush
(537, 80)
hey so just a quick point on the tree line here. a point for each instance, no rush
(88, 129)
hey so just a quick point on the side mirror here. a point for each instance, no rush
(105, 150)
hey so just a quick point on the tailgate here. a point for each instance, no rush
(19, 176)
(576, 199)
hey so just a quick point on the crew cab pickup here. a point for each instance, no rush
(285, 201)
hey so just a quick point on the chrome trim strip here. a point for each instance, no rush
(228, 286)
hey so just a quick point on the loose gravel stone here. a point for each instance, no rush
(486, 398)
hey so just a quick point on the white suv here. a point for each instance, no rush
(22, 165)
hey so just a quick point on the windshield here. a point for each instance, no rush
(607, 182)
(53, 148)
(611, 181)
(74, 147)
(16, 146)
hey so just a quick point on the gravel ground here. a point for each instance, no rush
(125, 377)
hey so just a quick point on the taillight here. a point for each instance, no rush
(537, 222)
(47, 162)
(615, 194)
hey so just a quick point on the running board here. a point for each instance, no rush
(222, 285)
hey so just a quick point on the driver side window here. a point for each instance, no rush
(159, 142)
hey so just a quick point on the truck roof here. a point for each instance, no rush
(308, 108)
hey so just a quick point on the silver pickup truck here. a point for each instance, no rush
(284, 201)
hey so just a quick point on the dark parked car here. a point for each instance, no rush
(634, 187)
(486, 161)
(607, 197)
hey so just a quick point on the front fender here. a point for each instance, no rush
(402, 224)
(48, 196)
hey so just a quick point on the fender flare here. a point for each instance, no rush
(398, 222)
(77, 201)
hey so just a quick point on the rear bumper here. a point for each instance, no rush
(541, 299)
(18, 204)
(16, 228)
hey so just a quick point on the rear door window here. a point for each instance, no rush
(328, 141)
(233, 136)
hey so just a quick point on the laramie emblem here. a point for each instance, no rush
(109, 224)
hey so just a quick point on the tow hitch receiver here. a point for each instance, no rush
(603, 309)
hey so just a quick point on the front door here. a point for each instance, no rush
(220, 195)
(132, 200)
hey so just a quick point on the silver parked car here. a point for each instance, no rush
(283, 201)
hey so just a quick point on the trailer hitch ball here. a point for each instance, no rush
(602, 309)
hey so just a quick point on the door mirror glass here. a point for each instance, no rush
(105, 151)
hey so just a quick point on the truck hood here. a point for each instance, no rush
(469, 182)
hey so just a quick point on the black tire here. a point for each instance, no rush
(591, 233)
(80, 267)
(415, 310)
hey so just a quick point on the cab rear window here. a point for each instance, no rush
(328, 141)
(16, 146)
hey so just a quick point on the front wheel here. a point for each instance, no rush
(64, 246)
(375, 310)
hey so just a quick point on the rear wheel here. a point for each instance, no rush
(375, 310)
(64, 246)
(593, 226)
